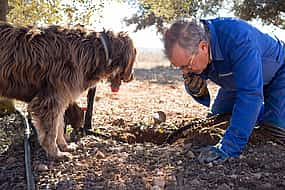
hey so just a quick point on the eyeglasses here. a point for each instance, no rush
(189, 63)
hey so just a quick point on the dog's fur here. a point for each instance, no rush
(50, 67)
(74, 116)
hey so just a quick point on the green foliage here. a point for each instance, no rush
(34, 12)
(168, 8)
(81, 11)
(269, 11)
(161, 12)
(29, 12)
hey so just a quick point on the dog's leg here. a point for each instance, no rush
(47, 113)
(41, 132)
(89, 111)
(74, 116)
(61, 140)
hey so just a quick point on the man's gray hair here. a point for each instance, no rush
(187, 33)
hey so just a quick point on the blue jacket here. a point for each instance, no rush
(243, 60)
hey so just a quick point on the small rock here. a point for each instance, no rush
(242, 157)
(156, 188)
(242, 188)
(250, 150)
(98, 187)
(187, 146)
(41, 168)
(224, 187)
(179, 162)
(58, 174)
(177, 153)
(139, 148)
(99, 155)
(11, 160)
(79, 164)
(159, 181)
(171, 182)
(190, 154)
(195, 182)
(266, 174)
(159, 117)
(231, 184)
(157, 171)
(122, 187)
(210, 165)
(273, 143)
(234, 176)
(266, 186)
(257, 175)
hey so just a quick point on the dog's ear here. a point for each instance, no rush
(128, 72)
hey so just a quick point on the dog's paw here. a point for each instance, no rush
(69, 147)
(63, 156)
(60, 156)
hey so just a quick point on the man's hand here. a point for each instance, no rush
(212, 154)
(195, 85)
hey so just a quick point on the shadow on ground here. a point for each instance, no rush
(158, 75)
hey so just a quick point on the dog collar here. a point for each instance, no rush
(105, 41)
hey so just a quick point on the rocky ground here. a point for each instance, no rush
(131, 152)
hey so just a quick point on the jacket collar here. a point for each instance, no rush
(214, 44)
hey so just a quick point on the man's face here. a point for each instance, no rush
(195, 63)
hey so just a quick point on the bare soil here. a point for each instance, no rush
(131, 153)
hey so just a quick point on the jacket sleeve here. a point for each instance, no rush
(247, 69)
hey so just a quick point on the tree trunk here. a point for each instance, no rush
(3, 10)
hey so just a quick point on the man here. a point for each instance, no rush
(248, 65)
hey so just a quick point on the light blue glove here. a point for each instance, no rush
(212, 154)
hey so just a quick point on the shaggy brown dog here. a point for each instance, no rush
(50, 67)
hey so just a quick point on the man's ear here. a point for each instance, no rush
(204, 46)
